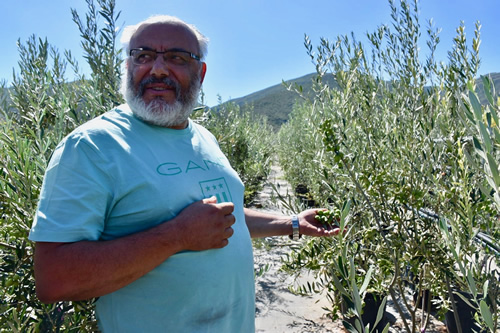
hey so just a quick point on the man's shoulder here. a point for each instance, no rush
(202, 130)
(108, 124)
(112, 118)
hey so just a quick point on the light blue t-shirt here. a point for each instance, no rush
(117, 175)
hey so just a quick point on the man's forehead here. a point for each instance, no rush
(163, 33)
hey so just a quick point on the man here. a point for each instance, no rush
(141, 209)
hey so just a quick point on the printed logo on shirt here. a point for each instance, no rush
(218, 188)
(172, 168)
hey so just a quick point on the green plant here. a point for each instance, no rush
(300, 135)
(345, 269)
(390, 140)
(42, 108)
(99, 43)
(328, 218)
(479, 274)
(246, 140)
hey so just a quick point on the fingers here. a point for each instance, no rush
(207, 224)
(332, 232)
(228, 232)
(224, 243)
(211, 200)
(312, 226)
(229, 219)
(227, 207)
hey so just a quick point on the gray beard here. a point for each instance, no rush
(158, 112)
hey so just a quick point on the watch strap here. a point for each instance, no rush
(295, 228)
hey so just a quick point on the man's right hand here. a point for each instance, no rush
(86, 269)
(205, 224)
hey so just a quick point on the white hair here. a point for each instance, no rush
(129, 31)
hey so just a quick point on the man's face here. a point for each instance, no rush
(163, 86)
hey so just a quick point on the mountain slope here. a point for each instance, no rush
(276, 102)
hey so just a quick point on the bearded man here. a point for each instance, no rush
(140, 209)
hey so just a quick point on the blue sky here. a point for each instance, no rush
(254, 44)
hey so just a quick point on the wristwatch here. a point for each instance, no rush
(295, 228)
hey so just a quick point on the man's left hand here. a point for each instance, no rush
(309, 226)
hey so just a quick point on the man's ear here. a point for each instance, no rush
(203, 71)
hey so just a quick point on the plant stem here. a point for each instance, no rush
(368, 201)
(453, 306)
(7, 246)
(393, 294)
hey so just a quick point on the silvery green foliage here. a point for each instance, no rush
(43, 106)
(389, 141)
(482, 122)
(247, 141)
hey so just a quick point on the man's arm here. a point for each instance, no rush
(262, 224)
(87, 269)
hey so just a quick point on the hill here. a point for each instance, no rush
(495, 77)
(276, 102)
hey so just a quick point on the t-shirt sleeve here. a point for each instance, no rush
(75, 195)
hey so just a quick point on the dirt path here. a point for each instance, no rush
(278, 310)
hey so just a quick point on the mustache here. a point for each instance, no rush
(166, 80)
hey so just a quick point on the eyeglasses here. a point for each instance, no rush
(179, 57)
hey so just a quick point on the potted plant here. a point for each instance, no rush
(392, 144)
(349, 271)
(474, 286)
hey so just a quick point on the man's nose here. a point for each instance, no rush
(160, 67)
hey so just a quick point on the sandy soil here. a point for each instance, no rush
(278, 310)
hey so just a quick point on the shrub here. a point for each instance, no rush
(42, 109)
(246, 139)
(300, 135)
(37, 112)
(391, 148)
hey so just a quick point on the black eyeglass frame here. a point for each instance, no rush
(191, 54)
